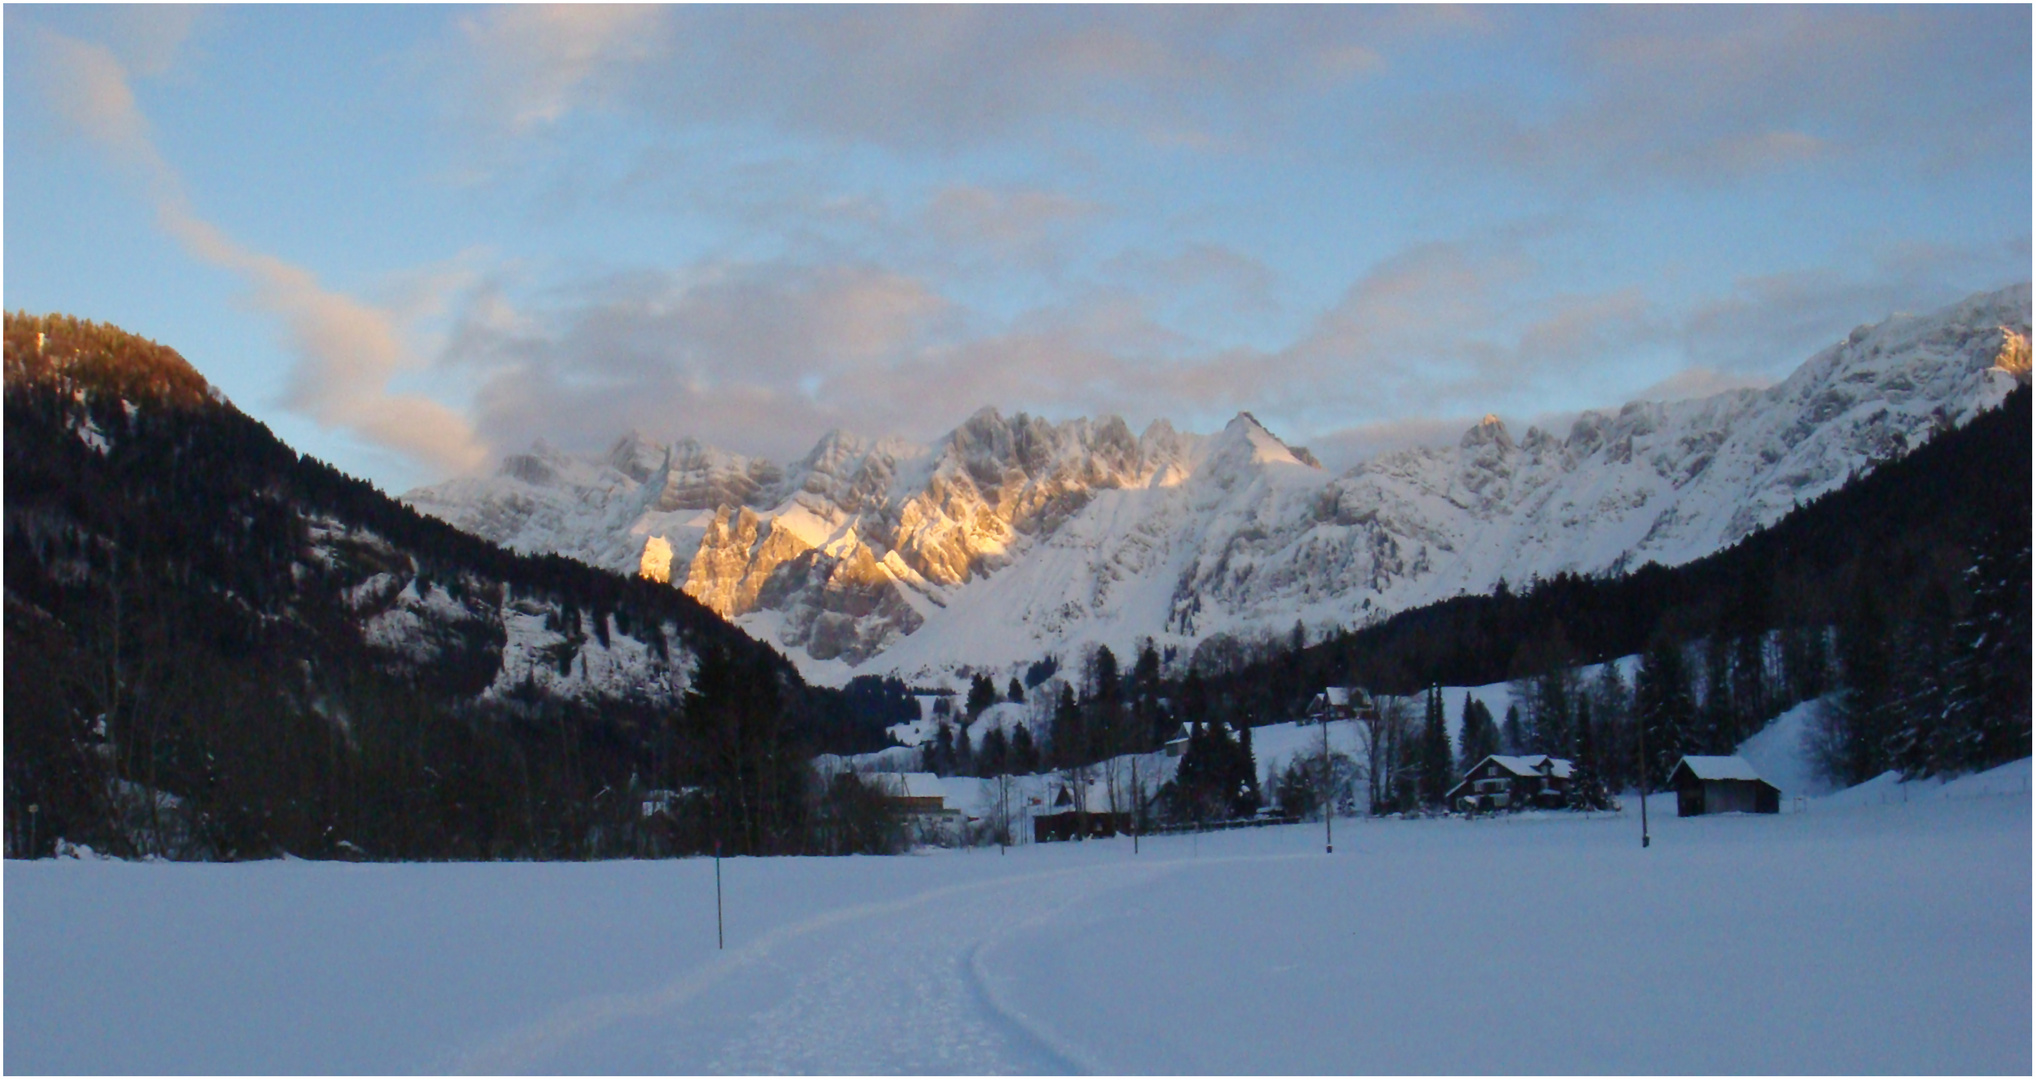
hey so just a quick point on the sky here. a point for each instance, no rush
(413, 239)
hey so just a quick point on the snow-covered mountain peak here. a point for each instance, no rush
(637, 455)
(1014, 536)
(1245, 442)
(1490, 431)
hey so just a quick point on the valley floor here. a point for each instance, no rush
(1868, 933)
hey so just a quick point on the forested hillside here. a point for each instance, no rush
(218, 648)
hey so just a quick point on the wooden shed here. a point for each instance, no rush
(1707, 784)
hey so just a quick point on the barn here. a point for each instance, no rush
(1721, 785)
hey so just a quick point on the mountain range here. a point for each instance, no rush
(1013, 537)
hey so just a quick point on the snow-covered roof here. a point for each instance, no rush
(1714, 767)
(906, 785)
(1531, 765)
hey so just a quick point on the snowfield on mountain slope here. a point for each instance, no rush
(1868, 934)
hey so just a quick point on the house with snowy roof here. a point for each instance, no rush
(915, 793)
(1513, 782)
(1711, 784)
(1079, 809)
(1341, 703)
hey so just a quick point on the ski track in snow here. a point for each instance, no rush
(904, 986)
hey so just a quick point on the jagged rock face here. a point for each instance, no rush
(1013, 536)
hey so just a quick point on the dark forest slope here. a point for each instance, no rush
(217, 647)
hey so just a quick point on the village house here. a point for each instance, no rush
(1080, 809)
(1707, 784)
(1342, 703)
(918, 795)
(1513, 782)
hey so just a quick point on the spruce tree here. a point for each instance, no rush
(1587, 777)
(1718, 723)
(1435, 758)
(1477, 736)
(1070, 744)
(1611, 713)
(1866, 707)
(1988, 693)
(982, 695)
(939, 757)
(1665, 707)
(1024, 755)
(994, 758)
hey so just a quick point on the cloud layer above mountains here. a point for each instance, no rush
(754, 224)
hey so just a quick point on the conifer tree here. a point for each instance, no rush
(1435, 758)
(1024, 755)
(1719, 723)
(1070, 744)
(1611, 715)
(939, 758)
(1479, 735)
(1863, 719)
(1587, 777)
(982, 695)
(1665, 707)
(1988, 693)
(1016, 693)
(994, 759)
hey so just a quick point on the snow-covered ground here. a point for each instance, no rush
(1867, 934)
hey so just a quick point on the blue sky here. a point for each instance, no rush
(411, 239)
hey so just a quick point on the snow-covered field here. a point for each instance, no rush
(1868, 934)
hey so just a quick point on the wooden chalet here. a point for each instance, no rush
(1080, 811)
(918, 794)
(1513, 782)
(1342, 703)
(1706, 784)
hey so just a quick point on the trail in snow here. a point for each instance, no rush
(888, 986)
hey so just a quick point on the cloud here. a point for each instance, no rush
(347, 351)
(1712, 95)
(738, 353)
(1701, 383)
(1768, 323)
(524, 67)
(921, 77)
(1006, 220)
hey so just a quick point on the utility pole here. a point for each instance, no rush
(1328, 797)
(1642, 723)
(720, 942)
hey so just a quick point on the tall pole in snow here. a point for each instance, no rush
(719, 940)
(1137, 804)
(1643, 781)
(1328, 797)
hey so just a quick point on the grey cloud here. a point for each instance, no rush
(1769, 323)
(924, 77)
(763, 357)
(1712, 94)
